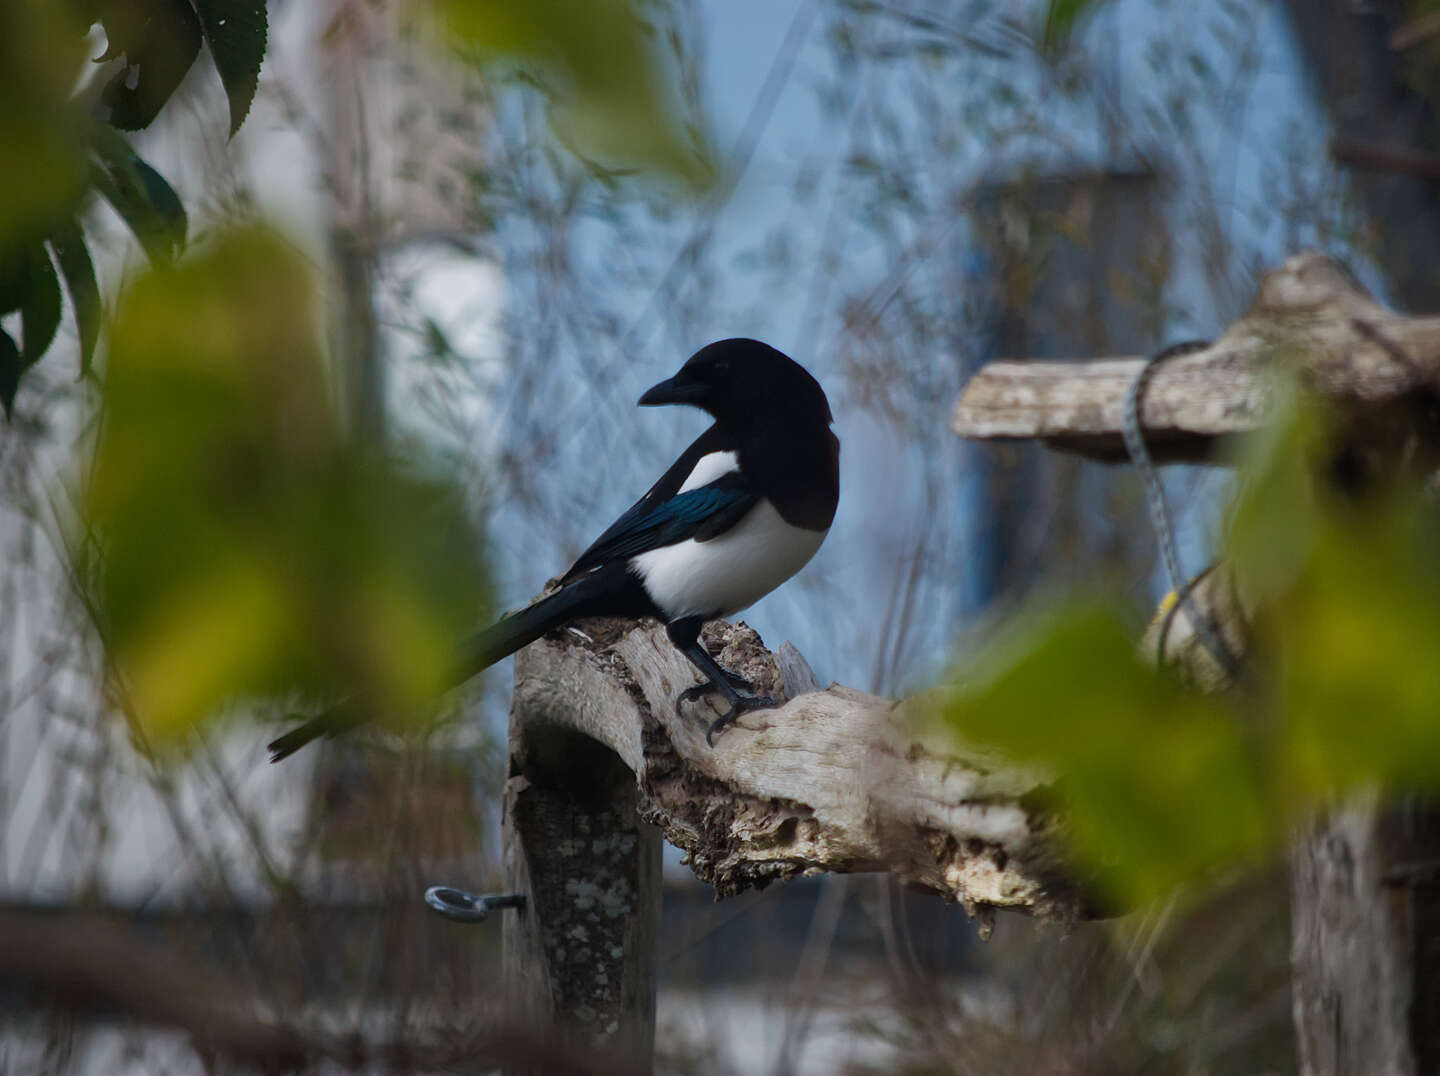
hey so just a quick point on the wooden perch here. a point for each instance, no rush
(1309, 317)
(834, 780)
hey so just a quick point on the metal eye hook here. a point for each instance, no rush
(466, 907)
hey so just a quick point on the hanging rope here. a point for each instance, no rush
(1160, 511)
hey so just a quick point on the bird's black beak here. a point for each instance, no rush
(679, 389)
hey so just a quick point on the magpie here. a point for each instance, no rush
(742, 510)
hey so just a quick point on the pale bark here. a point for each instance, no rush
(834, 780)
(1366, 908)
(1309, 317)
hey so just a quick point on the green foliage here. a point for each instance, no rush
(610, 98)
(140, 195)
(1350, 604)
(56, 154)
(1357, 677)
(28, 285)
(10, 368)
(28, 281)
(235, 30)
(159, 40)
(1062, 17)
(41, 138)
(68, 244)
(1154, 781)
(245, 547)
(1160, 785)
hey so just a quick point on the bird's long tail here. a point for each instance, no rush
(500, 640)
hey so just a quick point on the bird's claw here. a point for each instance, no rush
(738, 691)
(742, 705)
(698, 691)
(691, 694)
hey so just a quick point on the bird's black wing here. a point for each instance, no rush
(702, 514)
(627, 535)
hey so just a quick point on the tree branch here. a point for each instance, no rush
(834, 780)
(108, 969)
(1385, 158)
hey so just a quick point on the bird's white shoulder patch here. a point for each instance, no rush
(708, 468)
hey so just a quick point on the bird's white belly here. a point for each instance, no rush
(726, 574)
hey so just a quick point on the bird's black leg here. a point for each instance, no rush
(685, 634)
(738, 682)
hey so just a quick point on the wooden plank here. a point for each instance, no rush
(1310, 318)
(1078, 406)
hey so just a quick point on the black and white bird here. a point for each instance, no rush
(742, 510)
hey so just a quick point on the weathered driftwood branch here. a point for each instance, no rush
(1309, 317)
(834, 780)
(601, 764)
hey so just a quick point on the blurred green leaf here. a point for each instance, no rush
(40, 312)
(1277, 514)
(42, 50)
(165, 202)
(596, 59)
(1348, 586)
(68, 244)
(159, 40)
(10, 367)
(1061, 20)
(1156, 784)
(1159, 784)
(47, 140)
(139, 194)
(236, 32)
(1357, 636)
(28, 284)
(16, 278)
(248, 548)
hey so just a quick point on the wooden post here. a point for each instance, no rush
(580, 957)
(1365, 948)
(601, 764)
(1364, 878)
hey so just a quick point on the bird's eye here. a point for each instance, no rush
(720, 368)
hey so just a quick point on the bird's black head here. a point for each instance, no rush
(741, 381)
